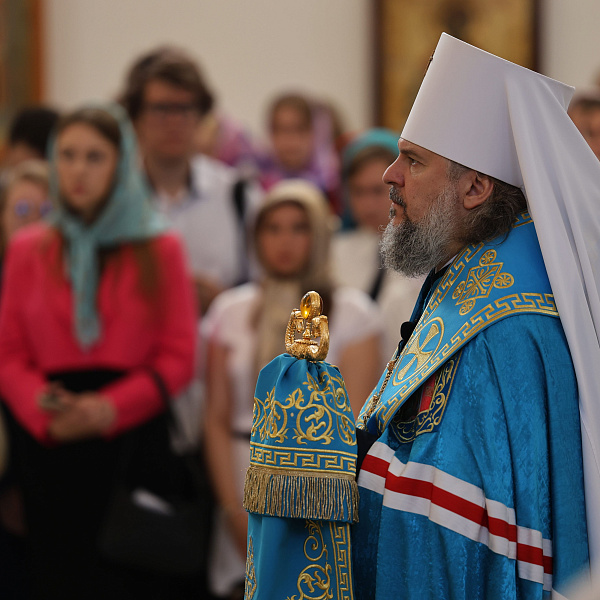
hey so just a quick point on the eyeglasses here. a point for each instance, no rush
(162, 110)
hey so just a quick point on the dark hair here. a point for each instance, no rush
(367, 155)
(586, 105)
(495, 216)
(32, 126)
(295, 101)
(172, 66)
(97, 118)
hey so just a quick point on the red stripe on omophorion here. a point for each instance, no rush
(464, 508)
(548, 565)
(470, 511)
(375, 465)
(530, 554)
(502, 528)
(442, 498)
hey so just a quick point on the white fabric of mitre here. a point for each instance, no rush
(462, 111)
(511, 123)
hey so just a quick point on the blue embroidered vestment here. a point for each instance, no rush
(300, 489)
(474, 488)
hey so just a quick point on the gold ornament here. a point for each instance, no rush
(314, 343)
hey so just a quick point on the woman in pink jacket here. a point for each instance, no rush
(96, 303)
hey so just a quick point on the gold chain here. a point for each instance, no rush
(376, 397)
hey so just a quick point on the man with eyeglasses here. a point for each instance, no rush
(167, 100)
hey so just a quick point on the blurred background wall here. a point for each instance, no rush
(251, 49)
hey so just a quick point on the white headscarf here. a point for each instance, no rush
(511, 123)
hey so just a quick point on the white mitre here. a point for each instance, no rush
(511, 123)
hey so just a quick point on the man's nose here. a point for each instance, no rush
(393, 175)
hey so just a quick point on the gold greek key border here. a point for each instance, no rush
(322, 451)
(286, 458)
(342, 550)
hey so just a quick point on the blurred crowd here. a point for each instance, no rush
(152, 238)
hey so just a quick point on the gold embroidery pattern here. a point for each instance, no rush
(514, 304)
(415, 351)
(523, 219)
(461, 263)
(314, 581)
(270, 417)
(250, 583)
(331, 462)
(480, 281)
(328, 400)
(427, 421)
(340, 535)
(315, 417)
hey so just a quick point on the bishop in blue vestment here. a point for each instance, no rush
(474, 487)
(478, 452)
(470, 462)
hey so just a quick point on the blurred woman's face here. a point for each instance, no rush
(284, 240)
(86, 163)
(292, 138)
(369, 195)
(26, 202)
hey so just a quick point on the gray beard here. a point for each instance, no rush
(415, 248)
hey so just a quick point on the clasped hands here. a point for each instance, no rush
(76, 416)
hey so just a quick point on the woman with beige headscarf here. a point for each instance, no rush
(246, 326)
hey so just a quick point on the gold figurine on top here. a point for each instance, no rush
(314, 343)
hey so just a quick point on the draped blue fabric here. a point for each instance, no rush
(298, 559)
(475, 487)
(300, 488)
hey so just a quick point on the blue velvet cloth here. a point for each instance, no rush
(300, 488)
(475, 486)
(298, 559)
(510, 428)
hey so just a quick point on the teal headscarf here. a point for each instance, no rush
(127, 216)
(378, 137)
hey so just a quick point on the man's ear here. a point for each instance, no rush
(480, 188)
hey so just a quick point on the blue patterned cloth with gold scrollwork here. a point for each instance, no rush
(300, 487)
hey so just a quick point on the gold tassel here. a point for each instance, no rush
(300, 495)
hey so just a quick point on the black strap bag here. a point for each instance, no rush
(160, 515)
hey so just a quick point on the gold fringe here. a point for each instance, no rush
(300, 495)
